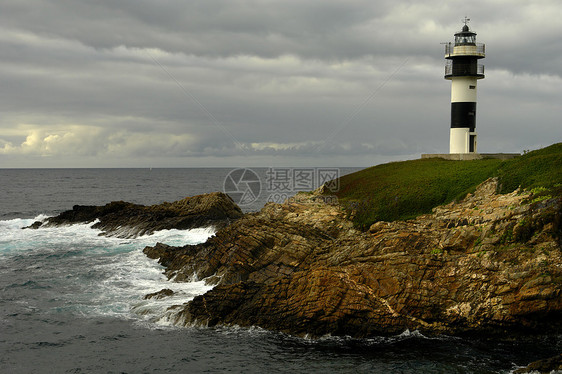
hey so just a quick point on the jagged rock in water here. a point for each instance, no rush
(125, 219)
(160, 294)
(549, 365)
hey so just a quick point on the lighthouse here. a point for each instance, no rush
(463, 70)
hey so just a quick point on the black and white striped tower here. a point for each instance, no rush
(463, 71)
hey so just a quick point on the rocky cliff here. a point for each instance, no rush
(488, 263)
(123, 219)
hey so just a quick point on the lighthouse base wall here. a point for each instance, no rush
(470, 156)
(462, 140)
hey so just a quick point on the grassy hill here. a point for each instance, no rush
(403, 190)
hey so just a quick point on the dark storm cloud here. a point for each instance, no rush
(212, 27)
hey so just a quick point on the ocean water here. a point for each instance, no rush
(71, 301)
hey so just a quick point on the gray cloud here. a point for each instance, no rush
(316, 82)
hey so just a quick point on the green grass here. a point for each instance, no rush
(540, 170)
(403, 190)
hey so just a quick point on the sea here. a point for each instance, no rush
(72, 300)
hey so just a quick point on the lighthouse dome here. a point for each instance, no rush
(465, 37)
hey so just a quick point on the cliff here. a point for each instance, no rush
(488, 263)
(407, 189)
(123, 219)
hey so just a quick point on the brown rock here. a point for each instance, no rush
(302, 268)
(124, 219)
(160, 294)
(548, 365)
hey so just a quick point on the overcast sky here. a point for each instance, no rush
(182, 83)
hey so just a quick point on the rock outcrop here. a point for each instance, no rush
(488, 264)
(549, 365)
(125, 219)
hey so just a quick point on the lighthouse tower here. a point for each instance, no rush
(463, 71)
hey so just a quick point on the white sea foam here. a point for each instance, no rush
(14, 238)
(129, 278)
(100, 275)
